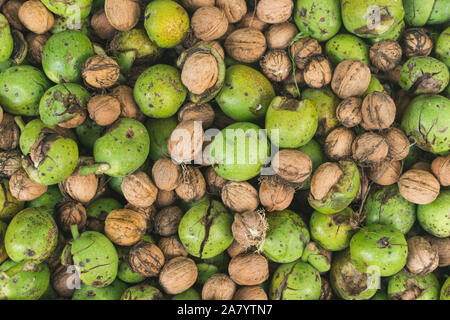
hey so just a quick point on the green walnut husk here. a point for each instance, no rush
(346, 46)
(71, 23)
(3, 254)
(315, 152)
(404, 283)
(205, 230)
(342, 193)
(326, 103)
(348, 282)
(356, 15)
(422, 75)
(395, 34)
(239, 151)
(420, 12)
(112, 292)
(9, 205)
(295, 281)
(88, 132)
(159, 91)
(48, 200)
(142, 291)
(320, 20)
(23, 281)
(204, 48)
(6, 40)
(426, 121)
(385, 205)
(205, 271)
(379, 249)
(95, 257)
(286, 236)
(32, 235)
(332, 231)
(101, 207)
(64, 55)
(246, 94)
(442, 48)
(189, 294)
(49, 294)
(445, 290)
(317, 257)
(434, 217)
(159, 131)
(166, 23)
(374, 86)
(291, 123)
(22, 89)
(69, 8)
(63, 102)
(126, 273)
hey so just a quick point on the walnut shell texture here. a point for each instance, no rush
(338, 144)
(348, 112)
(218, 287)
(317, 72)
(292, 165)
(369, 149)
(246, 45)
(166, 174)
(199, 112)
(274, 11)
(209, 23)
(186, 141)
(214, 182)
(103, 109)
(178, 275)
(23, 188)
(441, 169)
(240, 196)
(139, 189)
(418, 186)
(125, 227)
(36, 17)
(385, 54)
(249, 228)
(234, 9)
(172, 247)
(192, 185)
(386, 173)
(378, 111)
(123, 15)
(146, 259)
(100, 71)
(250, 20)
(398, 143)
(302, 50)
(276, 65)
(280, 35)
(350, 78)
(275, 194)
(101, 26)
(248, 269)
(250, 293)
(423, 257)
(167, 220)
(200, 72)
(417, 42)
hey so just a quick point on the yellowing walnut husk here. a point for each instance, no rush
(209, 23)
(398, 143)
(280, 35)
(101, 26)
(166, 174)
(378, 111)
(317, 72)
(386, 173)
(200, 72)
(186, 141)
(276, 65)
(385, 54)
(23, 188)
(178, 275)
(123, 15)
(100, 72)
(350, 78)
(292, 165)
(125, 227)
(36, 17)
(192, 185)
(249, 228)
(441, 169)
(274, 11)
(369, 149)
(275, 193)
(248, 269)
(419, 186)
(234, 9)
(423, 257)
(103, 109)
(250, 293)
(218, 287)
(338, 144)
(348, 112)
(303, 50)
(199, 112)
(246, 45)
(240, 196)
(139, 190)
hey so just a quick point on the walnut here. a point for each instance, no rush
(235, 248)
(76, 121)
(318, 72)
(125, 227)
(148, 212)
(274, 11)
(250, 20)
(275, 194)
(146, 259)
(302, 50)
(418, 186)
(172, 247)
(324, 178)
(378, 111)
(103, 109)
(443, 247)
(166, 174)
(72, 213)
(250, 293)
(192, 185)
(240, 196)
(198, 112)
(369, 149)
(9, 133)
(128, 107)
(11, 11)
(249, 228)
(292, 165)
(279, 36)
(200, 72)
(80, 188)
(100, 71)
(195, 4)
(36, 17)
(386, 173)
(441, 169)
(101, 26)
(234, 9)
(62, 282)
(423, 257)
(385, 54)
(123, 15)
(398, 143)
(218, 287)
(348, 112)
(10, 162)
(417, 42)
(186, 141)
(214, 182)
(338, 144)
(178, 275)
(350, 78)
(36, 43)
(23, 188)
(276, 65)
(167, 220)
(209, 23)
(216, 45)
(139, 189)
(165, 198)
(248, 269)
(246, 45)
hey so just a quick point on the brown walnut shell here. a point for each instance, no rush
(338, 144)
(146, 259)
(317, 72)
(292, 165)
(443, 247)
(103, 109)
(350, 78)
(240, 196)
(172, 247)
(214, 182)
(234, 9)
(235, 249)
(417, 42)
(378, 111)
(276, 65)
(166, 174)
(80, 188)
(423, 257)
(209, 23)
(419, 186)
(200, 72)
(11, 12)
(192, 185)
(36, 17)
(248, 269)
(199, 112)
(218, 287)
(302, 50)
(165, 198)
(250, 293)
(186, 141)
(9, 133)
(324, 178)
(249, 228)
(72, 213)
(139, 189)
(274, 11)
(167, 220)
(246, 45)
(386, 173)
(398, 143)
(128, 107)
(148, 213)
(63, 281)
(195, 4)
(275, 194)
(123, 15)
(100, 71)
(279, 36)
(10, 162)
(178, 275)
(23, 188)
(369, 149)
(348, 112)
(101, 26)
(125, 227)
(36, 43)
(441, 169)
(385, 54)
(250, 20)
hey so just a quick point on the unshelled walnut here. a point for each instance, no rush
(128, 107)
(100, 71)
(292, 165)
(302, 50)
(276, 65)
(166, 174)
(441, 169)
(338, 144)
(9, 133)
(167, 220)
(240, 196)
(348, 112)
(146, 259)
(275, 193)
(317, 72)
(324, 178)
(419, 186)
(63, 282)
(369, 149)
(280, 35)
(249, 228)
(234, 9)
(443, 247)
(385, 54)
(186, 141)
(274, 11)
(417, 42)
(178, 275)
(139, 189)
(250, 293)
(350, 78)
(398, 143)
(36, 17)
(250, 20)
(199, 112)
(165, 198)
(378, 111)
(248, 269)
(103, 109)
(209, 23)
(10, 162)
(72, 213)
(123, 15)
(386, 173)
(423, 257)
(218, 287)
(80, 188)
(192, 185)
(246, 45)
(125, 227)
(214, 182)
(36, 43)
(101, 26)
(23, 188)
(200, 72)
(172, 247)
(235, 249)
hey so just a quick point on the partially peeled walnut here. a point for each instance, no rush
(36, 43)
(385, 54)
(72, 213)
(202, 72)
(23, 188)
(276, 65)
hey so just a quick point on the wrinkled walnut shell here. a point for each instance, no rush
(23, 188)
(103, 109)
(72, 213)
(198, 112)
(398, 143)
(178, 275)
(192, 185)
(240, 196)
(200, 72)
(317, 72)
(9, 133)
(167, 220)
(165, 198)
(195, 4)
(302, 50)
(378, 111)
(166, 174)
(292, 165)
(214, 182)
(172, 247)
(125, 227)
(443, 247)
(80, 188)
(251, 21)
(218, 287)
(128, 107)
(186, 141)
(234, 9)
(123, 15)
(348, 112)
(36, 43)
(274, 11)
(276, 65)
(369, 149)
(275, 194)
(350, 78)
(386, 173)
(417, 42)
(419, 186)
(246, 45)
(146, 259)
(386, 54)
(10, 162)
(209, 23)
(248, 269)
(235, 249)
(249, 228)
(139, 189)
(279, 36)
(338, 144)
(441, 169)
(36, 17)
(423, 257)
(100, 71)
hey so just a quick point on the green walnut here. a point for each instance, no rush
(371, 18)
(421, 12)
(316, 256)
(434, 217)
(346, 46)
(95, 257)
(442, 48)
(142, 291)
(112, 292)
(23, 281)
(159, 131)
(64, 55)
(326, 103)
(205, 230)
(159, 91)
(189, 294)
(318, 19)
(166, 23)
(205, 271)
(380, 295)
(127, 275)
(21, 90)
(3, 253)
(295, 281)
(385, 205)
(121, 150)
(332, 231)
(286, 237)
(426, 121)
(334, 186)
(48, 200)
(424, 75)
(6, 39)
(445, 290)
(395, 34)
(88, 132)
(379, 249)
(291, 123)
(239, 151)
(246, 94)
(69, 8)
(9, 205)
(404, 285)
(62, 103)
(374, 86)
(348, 282)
